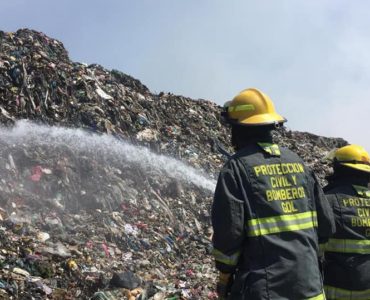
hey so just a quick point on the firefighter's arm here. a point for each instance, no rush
(331, 200)
(325, 216)
(228, 223)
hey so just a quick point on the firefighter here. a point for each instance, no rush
(269, 213)
(347, 253)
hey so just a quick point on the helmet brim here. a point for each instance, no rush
(361, 167)
(263, 119)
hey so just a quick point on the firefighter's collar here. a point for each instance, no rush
(362, 191)
(271, 149)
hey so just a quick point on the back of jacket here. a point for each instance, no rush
(347, 254)
(280, 206)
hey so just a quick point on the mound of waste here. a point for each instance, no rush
(105, 190)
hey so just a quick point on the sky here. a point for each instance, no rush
(312, 57)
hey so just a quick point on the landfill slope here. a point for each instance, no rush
(71, 217)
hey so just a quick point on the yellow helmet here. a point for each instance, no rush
(353, 156)
(251, 107)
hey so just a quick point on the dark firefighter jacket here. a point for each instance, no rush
(347, 254)
(267, 214)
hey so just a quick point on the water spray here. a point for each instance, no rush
(108, 148)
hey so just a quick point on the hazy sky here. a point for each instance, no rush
(311, 56)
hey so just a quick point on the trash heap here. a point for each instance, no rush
(78, 222)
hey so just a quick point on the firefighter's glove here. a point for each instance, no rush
(223, 285)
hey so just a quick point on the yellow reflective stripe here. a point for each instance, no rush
(230, 260)
(244, 107)
(322, 248)
(348, 246)
(270, 225)
(298, 216)
(272, 149)
(318, 297)
(272, 230)
(362, 191)
(335, 293)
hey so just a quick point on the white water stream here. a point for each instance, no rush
(105, 146)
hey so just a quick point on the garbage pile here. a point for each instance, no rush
(39, 82)
(79, 209)
(105, 213)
